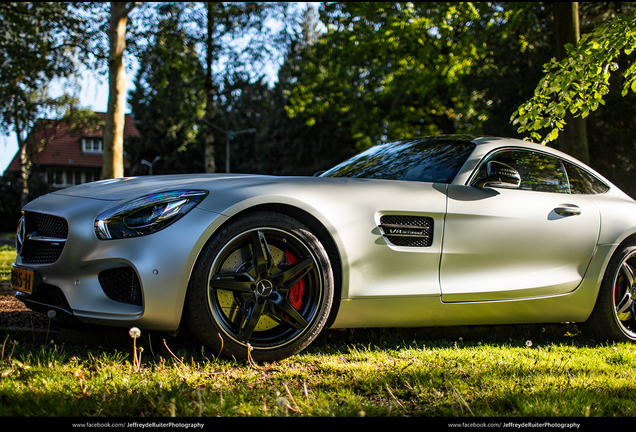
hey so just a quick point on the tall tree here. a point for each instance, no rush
(234, 40)
(113, 162)
(169, 98)
(566, 25)
(394, 69)
(237, 37)
(40, 43)
(282, 145)
(209, 161)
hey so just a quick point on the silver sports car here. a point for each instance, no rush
(438, 231)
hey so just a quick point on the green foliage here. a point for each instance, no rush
(398, 70)
(280, 145)
(519, 42)
(40, 42)
(580, 82)
(393, 69)
(169, 100)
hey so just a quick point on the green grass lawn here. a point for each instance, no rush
(7, 256)
(350, 373)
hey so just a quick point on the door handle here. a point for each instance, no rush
(568, 210)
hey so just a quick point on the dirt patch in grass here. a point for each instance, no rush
(13, 313)
(34, 327)
(21, 323)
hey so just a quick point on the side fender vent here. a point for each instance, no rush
(408, 231)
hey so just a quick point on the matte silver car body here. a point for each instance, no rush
(497, 256)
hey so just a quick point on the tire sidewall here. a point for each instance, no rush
(608, 285)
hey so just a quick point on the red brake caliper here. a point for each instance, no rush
(297, 291)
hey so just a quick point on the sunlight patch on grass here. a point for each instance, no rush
(7, 256)
(422, 378)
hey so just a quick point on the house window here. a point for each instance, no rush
(58, 177)
(93, 145)
(55, 177)
(92, 176)
(73, 178)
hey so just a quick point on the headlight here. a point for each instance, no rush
(146, 215)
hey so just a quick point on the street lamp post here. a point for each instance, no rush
(231, 135)
(228, 136)
(150, 164)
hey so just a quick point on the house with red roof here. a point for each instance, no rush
(62, 156)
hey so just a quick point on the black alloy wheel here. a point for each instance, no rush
(263, 284)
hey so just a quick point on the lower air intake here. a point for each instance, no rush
(121, 284)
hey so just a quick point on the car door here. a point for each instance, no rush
(536, 239)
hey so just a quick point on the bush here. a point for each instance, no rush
(10, 202)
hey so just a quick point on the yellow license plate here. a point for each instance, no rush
(22, 279)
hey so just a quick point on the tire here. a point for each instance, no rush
(614, 315)
(262, 288)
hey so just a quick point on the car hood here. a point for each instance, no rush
(122, 188)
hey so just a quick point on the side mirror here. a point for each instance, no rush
(499, 175)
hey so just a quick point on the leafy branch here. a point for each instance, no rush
(579, 82)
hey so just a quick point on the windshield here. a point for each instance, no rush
(435, 160)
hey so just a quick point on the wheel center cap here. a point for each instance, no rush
(264, 287)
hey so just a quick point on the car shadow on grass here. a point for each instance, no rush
(514, 335)
(73, 333)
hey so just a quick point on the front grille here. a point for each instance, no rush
(47, 225)
(43, 238)
(121, 284)
(408, 231)
(41, 253)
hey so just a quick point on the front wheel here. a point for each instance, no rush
(263, 283)
(614, 315)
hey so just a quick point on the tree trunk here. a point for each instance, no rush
(573, 138)
(210, 108)
(25, 164)
(113, 162)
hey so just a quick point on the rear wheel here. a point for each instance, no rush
(263, 281)
(614, 315)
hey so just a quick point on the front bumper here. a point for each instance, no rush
(138, 281)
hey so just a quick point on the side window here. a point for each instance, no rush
(581, 182)
(539, 172)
